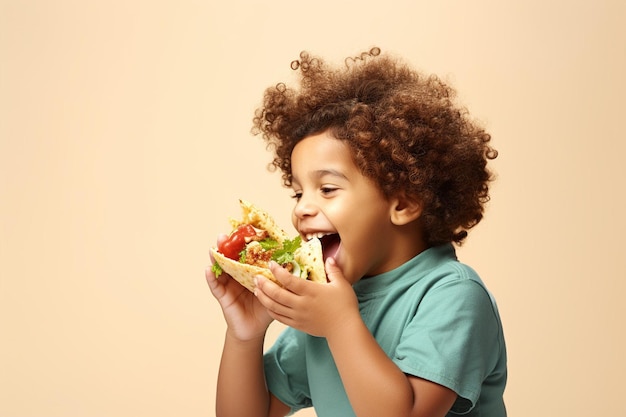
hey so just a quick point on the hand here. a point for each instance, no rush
(314, 308)
(245, 316)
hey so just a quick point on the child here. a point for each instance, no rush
(390, 173)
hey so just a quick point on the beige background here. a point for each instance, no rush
(124, 145)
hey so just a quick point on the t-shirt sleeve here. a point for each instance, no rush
(452, 339)
(285, 370)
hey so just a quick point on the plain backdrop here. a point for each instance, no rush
(125, 143)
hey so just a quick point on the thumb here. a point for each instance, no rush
(333, 272)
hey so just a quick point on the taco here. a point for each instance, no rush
(255, 240)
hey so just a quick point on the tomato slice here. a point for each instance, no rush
(236, 242)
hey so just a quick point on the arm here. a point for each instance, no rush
(241, 377)
(241, 389)
(373, 383)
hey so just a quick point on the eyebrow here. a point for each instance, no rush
(321, 173)
(331, 172)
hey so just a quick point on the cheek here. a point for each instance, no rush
(365, 242)
(294, 219)
(358, 248)
(355, 265)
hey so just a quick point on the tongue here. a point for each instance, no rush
(330, 245)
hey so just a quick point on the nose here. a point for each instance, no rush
(304, 208)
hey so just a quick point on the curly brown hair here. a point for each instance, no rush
(404, 130)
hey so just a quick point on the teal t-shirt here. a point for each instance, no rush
(433, 317)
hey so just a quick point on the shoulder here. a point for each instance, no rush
(456, 278)
(445, 271)
(458, 272)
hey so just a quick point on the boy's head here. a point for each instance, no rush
(404, 131)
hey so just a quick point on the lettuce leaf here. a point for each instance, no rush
(269, 244)
(217, 270)
(285, 254)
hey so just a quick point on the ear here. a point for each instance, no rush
(404, 210)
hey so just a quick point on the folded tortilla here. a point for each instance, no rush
(309, 255)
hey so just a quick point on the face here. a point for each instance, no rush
(336, 202)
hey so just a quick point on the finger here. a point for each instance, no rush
(217, 285)
(287, 279)
(333, 272)
(288, 321)
(273, 291)
(211, 279)
(270, 294)
(221, 237)
(213, 282)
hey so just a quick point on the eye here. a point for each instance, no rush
(297, 195)
(327, 190)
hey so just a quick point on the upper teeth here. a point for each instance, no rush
(318, 235)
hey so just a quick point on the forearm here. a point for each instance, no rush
(241, 387)
(373, 383)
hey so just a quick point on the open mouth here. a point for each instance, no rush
(330, 245)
